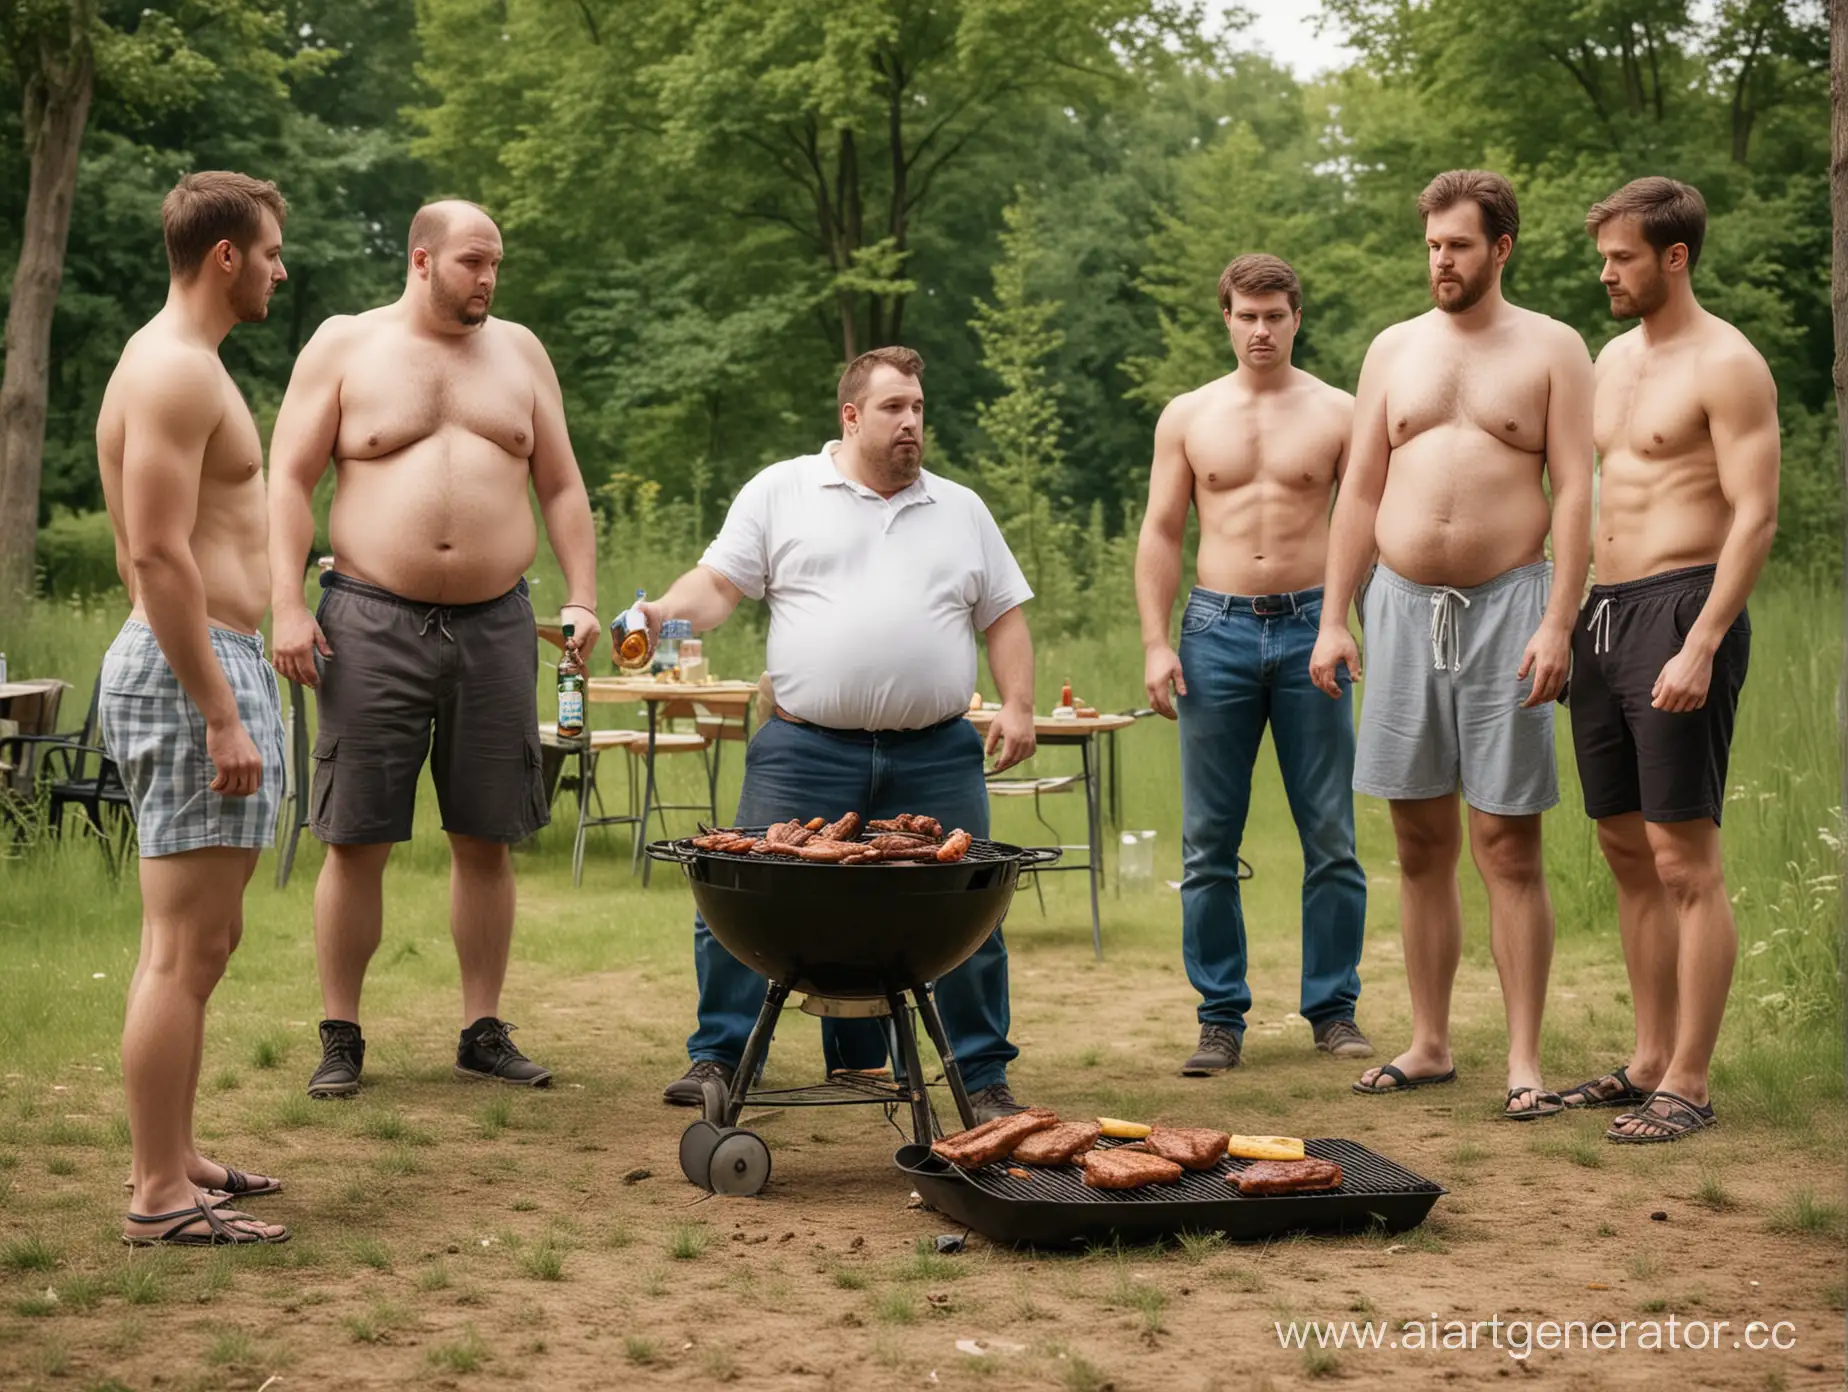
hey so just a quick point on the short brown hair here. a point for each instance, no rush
(1257, 273)
(860, 371)
(1669, 211)
(1492, 195)
(211, 206)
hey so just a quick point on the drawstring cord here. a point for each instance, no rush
(440, 617)
(1444, 627)
(1600, 627)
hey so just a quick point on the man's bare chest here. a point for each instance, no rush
(1502, 393)
(1649, 409)
(391, 399)
(1283, 443)
(234, 453)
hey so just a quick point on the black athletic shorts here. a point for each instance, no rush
(1670, 766)
(409, 680)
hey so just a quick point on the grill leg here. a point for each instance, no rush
(923, 1125)
(952, 1071)
(755, 1048)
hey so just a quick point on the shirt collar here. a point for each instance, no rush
(826, 474)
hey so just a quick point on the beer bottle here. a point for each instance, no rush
(629, 636)
(570, 689)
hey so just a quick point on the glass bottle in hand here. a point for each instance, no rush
(570, 689)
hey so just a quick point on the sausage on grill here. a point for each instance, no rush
(955, 846)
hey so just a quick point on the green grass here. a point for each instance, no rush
(270, 1051)
(545, 1262)
(495, 1117)
(848, 1279)
(369, 1251)
(896, 1306)
(1803, 1212)
(640, 1351)
(60, 1165)
(232, 1346)
(1713, 1194)
(463, 1355)
(377, 1323)
(688, 1241)
(434, 1277)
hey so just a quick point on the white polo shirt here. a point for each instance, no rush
(874, 602)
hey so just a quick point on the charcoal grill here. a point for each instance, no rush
(1052, 1207)
(859, 940)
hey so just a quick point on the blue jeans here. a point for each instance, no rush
(804, 771)
(1246, 662)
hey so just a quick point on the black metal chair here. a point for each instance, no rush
(65, 777)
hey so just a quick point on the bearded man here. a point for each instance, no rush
(1461, 413)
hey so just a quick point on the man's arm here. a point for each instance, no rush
(169, 423)
(302, 443)
(702, 595)
(1351, 545)
(1158, 555)
(1741, 401)
(1571, 389)
(1010, 660)
(563, 501)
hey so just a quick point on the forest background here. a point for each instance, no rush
(708, 206)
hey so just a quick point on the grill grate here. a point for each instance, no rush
(1363, 1174)
(979, 853)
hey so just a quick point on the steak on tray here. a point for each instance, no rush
(1059, 1144)
(1288, 1177)
(984, 1144)
(1124, 1168)
(1195, 1147)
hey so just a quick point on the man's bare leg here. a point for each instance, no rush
(190, 903)
(1508, 856)
(349, 917)
(1646, 921)
(481, 906)
(1430, 837)
(1687, 861)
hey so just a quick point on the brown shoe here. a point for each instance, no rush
(1343, 1039)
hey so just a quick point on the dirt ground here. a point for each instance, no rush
(453, 1236)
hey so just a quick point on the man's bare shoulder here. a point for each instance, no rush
(1621, 349)
(1325, 395)
(159, 368)
(1395, 338)
(1558, 336)
(1724, 350)
(1182, 409)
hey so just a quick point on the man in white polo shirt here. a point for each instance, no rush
(878, 577)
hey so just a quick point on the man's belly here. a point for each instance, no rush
(1655, 517)
(445, 520)
(1460, 508)
(1262, 539)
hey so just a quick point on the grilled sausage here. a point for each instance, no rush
(816, 823)
(930, 826)
(829, 851)
(955, 846)
(900, 841)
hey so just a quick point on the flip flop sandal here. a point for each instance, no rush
(1546, 1104)
(1402, 1083)
(218, 1230)
(237, 1185)
(1628, 1093)
(1683, 1118)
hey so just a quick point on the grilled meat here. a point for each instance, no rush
(909, 821)
(816, 823)
(984, 1144)
(1125, 1168)
(1192, 1146)
(1288, 1176)
(846, 829)
(1057, 1145)
(955, 846)
(902, 841)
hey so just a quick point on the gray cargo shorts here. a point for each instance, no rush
(156, 736)
(1441, 706)
(455, 682)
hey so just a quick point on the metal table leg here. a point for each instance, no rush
(1093, 818)
(586, 763)
(295, 806)
(648, 798)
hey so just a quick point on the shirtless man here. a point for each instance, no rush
(437, 417)
(1686, 425)
(187, 705)
(1461, 412)
(1258, 454)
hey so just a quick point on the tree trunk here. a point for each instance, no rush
(56, 110)
(1838, 295)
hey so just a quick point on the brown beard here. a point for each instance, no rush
(1644, 301)
(893, 465)
(250, 294)
(457, 308)
(1471, 292)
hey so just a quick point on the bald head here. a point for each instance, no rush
(435, 223)
(456, 254)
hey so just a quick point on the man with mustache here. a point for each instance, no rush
(186, 703)
(878, 575)
(438, 418)
(1461, 413)
(1687, 435)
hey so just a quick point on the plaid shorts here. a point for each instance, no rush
(156, 736)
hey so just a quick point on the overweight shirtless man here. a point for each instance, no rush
(438, 418)
(1461, 413)
(187, 705)
(1686, 424)
(1258, 454)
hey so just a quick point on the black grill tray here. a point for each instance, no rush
(1053, 1208)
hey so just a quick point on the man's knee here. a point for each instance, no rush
(1689, 871)
(1626, 850)
(471, 853)
(189, 957)
(1428, 845)
(1507, 849)
(362, 860)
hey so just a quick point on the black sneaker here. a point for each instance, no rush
(1219, 1050)
(993, 1101)
(343, 1054)
(488, 1055)
(688, 1090)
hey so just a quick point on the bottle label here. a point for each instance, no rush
(570, 712)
